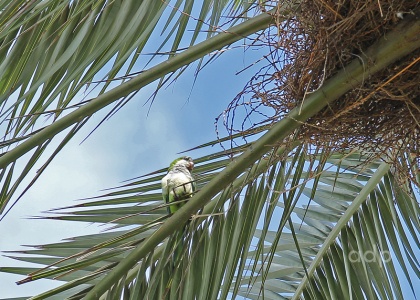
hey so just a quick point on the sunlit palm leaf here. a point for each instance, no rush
(312, 225)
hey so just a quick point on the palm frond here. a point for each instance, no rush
(55, 49)
(264, 236)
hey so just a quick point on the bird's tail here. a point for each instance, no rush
(181, 245)
(179, 249)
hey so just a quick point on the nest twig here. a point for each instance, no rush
(382, 113)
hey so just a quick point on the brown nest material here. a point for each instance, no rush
(324, 36)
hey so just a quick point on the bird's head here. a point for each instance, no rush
(185, 161)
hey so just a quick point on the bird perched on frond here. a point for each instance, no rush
(177, 187)
(178, 184)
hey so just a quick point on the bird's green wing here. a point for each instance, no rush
(172, 208)
(165, 195)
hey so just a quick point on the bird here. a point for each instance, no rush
(177, 187)
(178, 184)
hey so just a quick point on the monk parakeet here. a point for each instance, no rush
(178, 184)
